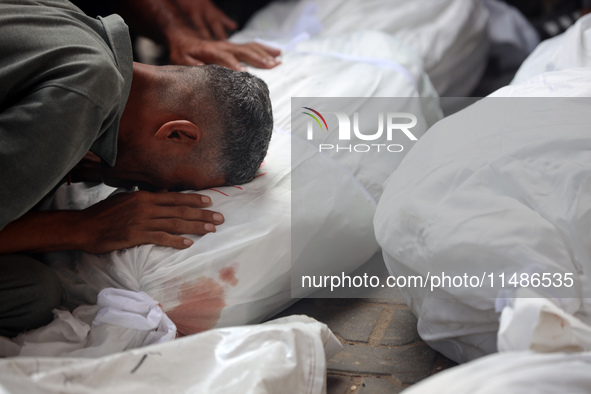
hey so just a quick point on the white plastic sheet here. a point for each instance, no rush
(449, 36)
(286, 354)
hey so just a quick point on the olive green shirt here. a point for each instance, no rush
(64, 82)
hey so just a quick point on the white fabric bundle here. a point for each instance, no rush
(502, 186)
(268, 358)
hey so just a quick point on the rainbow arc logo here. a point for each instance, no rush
(315, 118)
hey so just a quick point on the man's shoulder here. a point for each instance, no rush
(40, 26)
(52, 43)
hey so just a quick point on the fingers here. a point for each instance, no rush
(199, 52)
(173, 220)
(178, 226)
(195, 51)
(180, 213)
(176, 199)
(271, 51)
(131, 219)
(256, 55)
(227, 59)
(189, 214)
(162, 238)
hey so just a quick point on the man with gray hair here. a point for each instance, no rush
(68, 86)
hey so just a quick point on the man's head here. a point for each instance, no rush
(192, 128)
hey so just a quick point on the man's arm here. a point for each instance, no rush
(163, 21)
(122, 221)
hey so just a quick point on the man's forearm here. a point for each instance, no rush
(37, 232)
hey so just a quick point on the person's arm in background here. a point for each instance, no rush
(184, 30)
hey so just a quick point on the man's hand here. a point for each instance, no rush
(190, 50)
(122, 221)
(207, 19)
(131, 219)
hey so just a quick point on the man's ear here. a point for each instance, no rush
(181, 131)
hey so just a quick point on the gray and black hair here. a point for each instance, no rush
(245, 116)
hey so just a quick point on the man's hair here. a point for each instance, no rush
(235, 109)
(244, 114)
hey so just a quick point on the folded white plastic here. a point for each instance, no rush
(135, 310)
(284, 355)
(543, 325)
